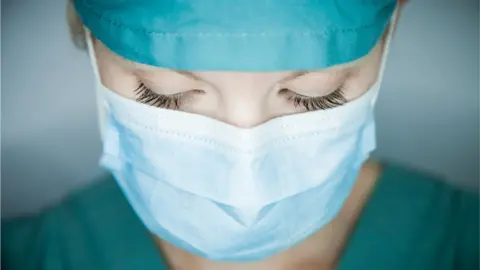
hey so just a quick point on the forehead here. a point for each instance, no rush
(284, 76)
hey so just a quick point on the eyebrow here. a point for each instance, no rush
(195, 77)
(192, 76)
(294, 75)
(188, 74)
(149, 68)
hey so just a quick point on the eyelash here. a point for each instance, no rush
(147, 96)
(334, 99)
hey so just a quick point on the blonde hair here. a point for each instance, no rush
(75, 26)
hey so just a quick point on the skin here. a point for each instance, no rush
(247, 99)
(243, 99)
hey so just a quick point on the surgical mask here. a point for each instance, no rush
(232, 194)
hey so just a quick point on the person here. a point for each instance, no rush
(237, 136)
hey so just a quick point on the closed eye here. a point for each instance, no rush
(175, 101)
(147, 96)
(334, 99)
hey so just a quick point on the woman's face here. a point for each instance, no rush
(243, 99)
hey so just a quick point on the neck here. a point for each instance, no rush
(322, 250)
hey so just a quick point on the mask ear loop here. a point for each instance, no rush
(101, 105)
(386, 50)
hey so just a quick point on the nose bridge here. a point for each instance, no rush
(245, 108)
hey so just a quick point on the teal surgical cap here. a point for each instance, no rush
(242, 35)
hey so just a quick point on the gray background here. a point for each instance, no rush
(427, 113)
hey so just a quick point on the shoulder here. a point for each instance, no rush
(427, 213)
(417, 192)
(73, 233)
(421, 188)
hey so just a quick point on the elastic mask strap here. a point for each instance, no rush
(101, 108)
(386, 49)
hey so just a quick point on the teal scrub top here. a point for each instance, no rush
(411, 221)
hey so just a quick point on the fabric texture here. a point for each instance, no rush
(411, 221)
(247, 35)
(241, 184)
(204, 210)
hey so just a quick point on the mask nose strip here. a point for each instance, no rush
(246, 218)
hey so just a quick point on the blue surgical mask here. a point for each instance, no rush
(234, 194)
